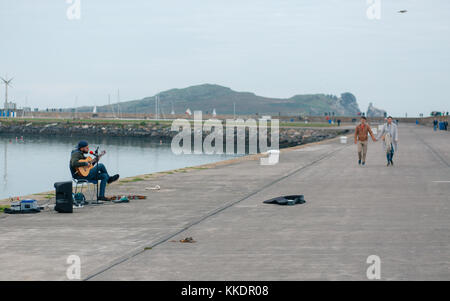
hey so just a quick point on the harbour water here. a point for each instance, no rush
(32, 164)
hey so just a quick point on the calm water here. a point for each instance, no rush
(34, 164)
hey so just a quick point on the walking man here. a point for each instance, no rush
(435, 124)
(389, 134)
(362, 139)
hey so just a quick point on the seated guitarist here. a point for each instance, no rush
(97, 173)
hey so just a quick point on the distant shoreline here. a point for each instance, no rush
(153, 131)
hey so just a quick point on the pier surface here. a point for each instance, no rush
(400, 214)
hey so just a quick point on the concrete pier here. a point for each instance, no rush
(400, 214)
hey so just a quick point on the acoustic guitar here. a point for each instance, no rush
(83, 171)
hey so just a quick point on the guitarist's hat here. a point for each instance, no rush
(82, 143)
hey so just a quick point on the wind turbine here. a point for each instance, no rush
(7, 83)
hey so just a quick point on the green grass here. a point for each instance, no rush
(85, 121)
(136, 123)
(3, 207)
(302, 124)
(132, 180)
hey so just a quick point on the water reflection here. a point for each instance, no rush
(33, 164)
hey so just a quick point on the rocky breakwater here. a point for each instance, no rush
(297, 136)
(288, 137)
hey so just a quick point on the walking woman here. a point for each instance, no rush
(389, 134)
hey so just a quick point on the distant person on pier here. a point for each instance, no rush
(362, 132)
(435, 124)
(389, 135)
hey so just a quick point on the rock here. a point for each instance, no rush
(348, 101)
(374, 112)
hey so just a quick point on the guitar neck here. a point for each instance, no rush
(96, 159)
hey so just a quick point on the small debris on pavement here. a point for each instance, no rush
(186, 240)
(157, 187)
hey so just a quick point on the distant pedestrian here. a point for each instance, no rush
(339, 122)
(389, 134)
(435, 124)
(362, 132)
(446, 125)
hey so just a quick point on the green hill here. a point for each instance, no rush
(207, 97)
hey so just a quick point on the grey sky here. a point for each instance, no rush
(271, 47)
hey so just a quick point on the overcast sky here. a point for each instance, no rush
(277, 48)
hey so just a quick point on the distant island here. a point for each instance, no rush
(210, 97)
(375, 112)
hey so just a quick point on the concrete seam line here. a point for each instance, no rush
(436, 154)
(164, 239)
(432, 150)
